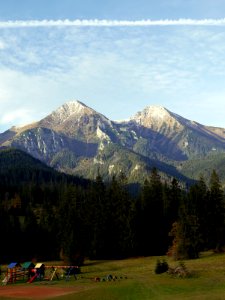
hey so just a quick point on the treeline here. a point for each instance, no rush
(71, 220)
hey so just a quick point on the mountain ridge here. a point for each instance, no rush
(78, 140)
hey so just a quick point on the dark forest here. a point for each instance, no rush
(47, 215)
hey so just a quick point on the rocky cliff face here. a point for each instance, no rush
(176, 137)
(77, 139)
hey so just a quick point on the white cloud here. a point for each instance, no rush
(115, 70)
(2, 45)
(111, 23)
(20, 117)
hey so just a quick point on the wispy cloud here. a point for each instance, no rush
(45, 63)
(111, 23)
(20, 117)
(2, 45)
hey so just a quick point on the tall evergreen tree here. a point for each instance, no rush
(186, 236)
(94, 215)
(199, 199)
(70, 230)
(172, 195)
(119, 238)
(151, 226)
(186, 231)
(216, 213)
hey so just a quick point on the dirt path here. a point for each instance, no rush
(36, 292)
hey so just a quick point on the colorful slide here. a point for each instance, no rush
(32, 278)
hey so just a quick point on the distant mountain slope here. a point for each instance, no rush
(18, 167)
(78, 140)
(197, 167)
(11, 158)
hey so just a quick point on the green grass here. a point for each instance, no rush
(139, 282)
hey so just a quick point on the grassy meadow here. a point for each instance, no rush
(136, 280)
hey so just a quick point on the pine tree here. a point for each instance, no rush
(186, 237)
(94, 216)
(69, 226)
(198, 197)
(216, 213)
(119, 236)
(172, 196)
(151, 227)
(186, 230)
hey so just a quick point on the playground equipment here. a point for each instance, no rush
(67, 271)
(6, 279)
(32, 278)
(37, 272)
(13, 273)
(28, 266)
(30, 272)
(16, 272)
(43, 272)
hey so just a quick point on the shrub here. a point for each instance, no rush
(161, 266)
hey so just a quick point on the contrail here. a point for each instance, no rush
(111, 23)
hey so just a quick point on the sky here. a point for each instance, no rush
(115, 56)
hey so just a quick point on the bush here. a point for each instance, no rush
(161, 266)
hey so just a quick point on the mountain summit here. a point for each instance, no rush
(77, 139)
(155, 117)
(76, 119)
(70, 109)
(154, 112)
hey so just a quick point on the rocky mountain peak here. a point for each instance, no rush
(73, 106)
(156, 111)
(76, 119)
(155, 116)
(70, 108)
(66, 111)
(153, 111)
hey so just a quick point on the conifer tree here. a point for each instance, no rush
(216, 213)
(186, 237)
(151, 214)
(186, 230)
(198, 198)
(119, 238)
(172, 195)
(69, 226)
(94, 216)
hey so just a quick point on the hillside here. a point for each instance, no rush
(30, 193)
(18, 168)
(196, 168)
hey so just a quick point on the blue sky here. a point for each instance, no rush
(111, 9)
(117, 70)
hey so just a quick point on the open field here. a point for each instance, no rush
(135, 280)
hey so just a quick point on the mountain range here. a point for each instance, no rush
(75, 139)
